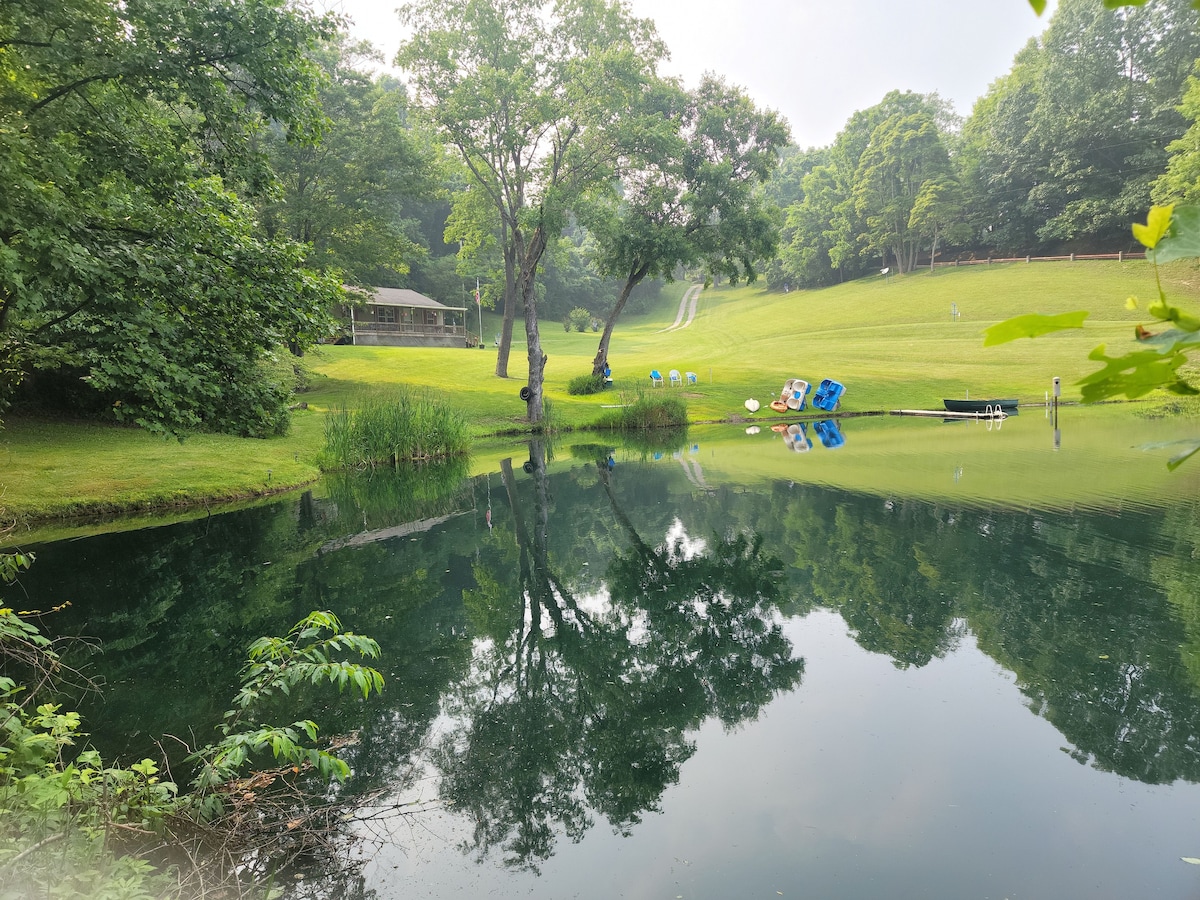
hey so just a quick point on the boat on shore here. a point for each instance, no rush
(979, 406)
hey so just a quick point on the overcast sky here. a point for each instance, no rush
(814, 62)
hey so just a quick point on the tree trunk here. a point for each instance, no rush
(510, 302)
(631, 282)
(933, 251)
(537, 359)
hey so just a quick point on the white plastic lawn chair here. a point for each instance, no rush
(676, 379)
(656, 379)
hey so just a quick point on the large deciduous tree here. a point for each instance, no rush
(691, 196)
(826, 227)
(539, 101)
(344, 196)
(128, 263)
(905, 153)
(937, 212)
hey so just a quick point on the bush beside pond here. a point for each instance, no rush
(582, 385)
(659, 410)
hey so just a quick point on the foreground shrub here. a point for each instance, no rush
(579, 318)
(657, 410)
(404, 427)
(581, 385)
(72, 827)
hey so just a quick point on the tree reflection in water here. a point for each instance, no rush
(582, 706)
(556, 665)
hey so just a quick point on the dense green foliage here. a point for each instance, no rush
(688, 196)
(352, 198)
(191, 183)
(73, 827)
(579, 319)
(133, 278)
(404, 427)
(582, 385)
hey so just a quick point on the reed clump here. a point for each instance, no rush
(404, 426)
(654, 410)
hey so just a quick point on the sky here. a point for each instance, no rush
(813, 62)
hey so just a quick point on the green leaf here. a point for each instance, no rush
(1031, 325)
(1182, 241)
(1173, 341)
(1039, 6)
(1133, 375)
(1158, 223)
(1165, 312)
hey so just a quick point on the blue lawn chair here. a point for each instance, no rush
(656, 379)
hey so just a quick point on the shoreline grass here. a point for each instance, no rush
(891, 342)
(659, 409)
(402, 427)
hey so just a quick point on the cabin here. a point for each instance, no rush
(399, 317)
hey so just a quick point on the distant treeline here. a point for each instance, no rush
(1095, 121)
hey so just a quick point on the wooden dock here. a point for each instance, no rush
(946, 414)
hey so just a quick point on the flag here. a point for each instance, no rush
(477, 296)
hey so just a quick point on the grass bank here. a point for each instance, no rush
(891, 342)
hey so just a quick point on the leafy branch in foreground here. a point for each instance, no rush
(1039, 6)
(1169, 233)
(71, 827)
(276, 666)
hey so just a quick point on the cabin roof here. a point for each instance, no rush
(384, 296)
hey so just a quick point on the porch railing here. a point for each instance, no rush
(410, 328)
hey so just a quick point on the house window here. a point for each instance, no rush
(387, 315)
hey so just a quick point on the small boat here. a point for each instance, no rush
(979, 406)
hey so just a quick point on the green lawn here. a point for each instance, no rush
(892, 343)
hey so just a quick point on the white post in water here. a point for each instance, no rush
(1057, 394)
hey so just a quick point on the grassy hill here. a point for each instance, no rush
(891, 342)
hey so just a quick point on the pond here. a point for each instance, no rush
(910, 659)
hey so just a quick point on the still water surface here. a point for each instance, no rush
(927, 660)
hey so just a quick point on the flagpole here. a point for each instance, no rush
(479, 307)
